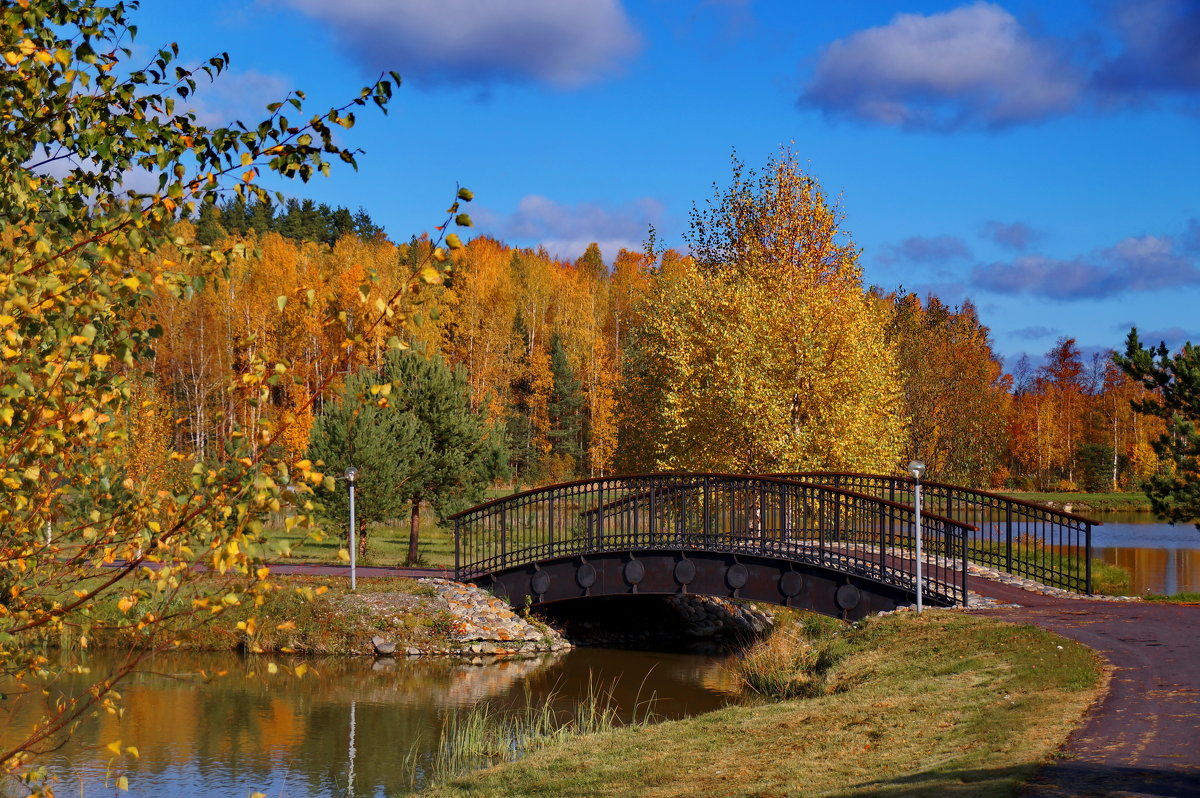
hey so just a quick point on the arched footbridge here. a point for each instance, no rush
(840, 544)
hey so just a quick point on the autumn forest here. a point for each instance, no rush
(759, 349)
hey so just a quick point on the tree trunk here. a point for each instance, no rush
(362, 538)
(414, 531)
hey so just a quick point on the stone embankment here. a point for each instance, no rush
(652, 622)
(712, 616)
(482, 625)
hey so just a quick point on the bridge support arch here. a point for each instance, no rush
(663, 572)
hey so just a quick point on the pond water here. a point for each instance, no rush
(1162, 558)
(349, 726)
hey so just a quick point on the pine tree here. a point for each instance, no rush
(566, 405)
(1175, 382)
(261, 217)
(209, 229)
(464, 455)
(385, 443)
(365, 226)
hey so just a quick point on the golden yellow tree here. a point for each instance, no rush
(764, 352)
(76, 120)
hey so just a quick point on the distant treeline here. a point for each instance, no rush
(300, 220)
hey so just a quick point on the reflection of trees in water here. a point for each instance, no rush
(251, 729)
(1158, 570)
(242, 729)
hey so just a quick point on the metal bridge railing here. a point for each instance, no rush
(1047, 545)
(830, 526)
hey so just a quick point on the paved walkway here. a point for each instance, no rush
(1143, 738)
(322, 569)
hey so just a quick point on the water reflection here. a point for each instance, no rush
(288, 736)
(1160, 557)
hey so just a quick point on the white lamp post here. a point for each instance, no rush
(917, 469)
(351, 475)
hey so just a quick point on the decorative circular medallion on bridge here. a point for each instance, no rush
(790, 584)
(586, 575)
(634, 571)
(848, 597)
(540, 582)
(685, 571)
(737, 575)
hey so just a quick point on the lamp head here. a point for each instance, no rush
(351, 474)
(916, 468)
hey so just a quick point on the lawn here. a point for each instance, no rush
(941, 704)
(1081, 503)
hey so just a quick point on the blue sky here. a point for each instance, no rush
(1039, 159)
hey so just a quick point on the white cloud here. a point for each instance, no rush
(565, 43)
(1135, 264)
(566, 230)
(234, 95)
(973, 64)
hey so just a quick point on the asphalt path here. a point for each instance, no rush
(1143, 737)
(366, 571)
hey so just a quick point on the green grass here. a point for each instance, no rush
(938, 704)
(1107, 579)
(1179, 598)
(1081, 502)
(388, 545)
(483, 736)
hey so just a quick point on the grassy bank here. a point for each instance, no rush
(1083, 503)
(300, 615)
(944, 703)
(1175, 598)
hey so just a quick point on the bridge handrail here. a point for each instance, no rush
(769, 478)
(942, 485)
(755, 514)
(1046, 544)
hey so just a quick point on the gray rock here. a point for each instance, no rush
(383, 646)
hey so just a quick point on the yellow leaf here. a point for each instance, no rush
(286, 625)
(263, 572)
(272, 668)
(301, 669)
(123, 784)
(115, 747)
(100, 360)
(132, 751)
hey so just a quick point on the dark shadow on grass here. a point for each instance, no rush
(1057, 780)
